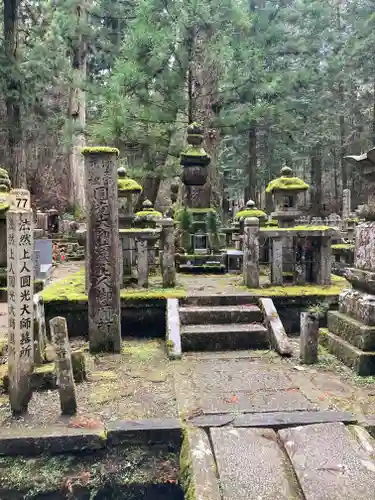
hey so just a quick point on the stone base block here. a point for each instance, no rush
(362, 363)
(352, 330)
(361, 279)
(358, 305)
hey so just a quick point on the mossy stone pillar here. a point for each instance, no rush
(251, 252)
(103, 262)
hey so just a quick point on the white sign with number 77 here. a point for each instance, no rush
(19, 198)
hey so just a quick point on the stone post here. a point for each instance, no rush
(325, 262)
(167, 262)
(103, 259)
(309, 338)
(251, 252)
(127, 256)
(277, 261)
(20, 307)
(346, 204)
(142, 262)
(36, 264)
(39, 329)
(65, 380)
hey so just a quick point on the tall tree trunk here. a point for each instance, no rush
(316, 180)
(343, 164)
(77, 109)
(250, 191)
(13, 97)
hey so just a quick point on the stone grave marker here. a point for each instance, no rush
(65, 380)
(20, 307)
(44, 246)
(40, 334)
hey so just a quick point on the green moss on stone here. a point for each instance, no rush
(343, 246)
(140, 230)
(302, 228)
(129, 185)
(187, 478)
(337, 286)
(99, 150)
(287, 184)
(193, 211)
(194, 151)
(150, 212)
(251, 213)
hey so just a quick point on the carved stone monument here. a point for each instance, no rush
(20, 307)
(103, 259)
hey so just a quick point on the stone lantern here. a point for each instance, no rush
(128, 192)
(5, 186)
(194, 159)
(250, 211)
(148, 216)
(285, 191)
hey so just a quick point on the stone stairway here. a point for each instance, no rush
(219, 323)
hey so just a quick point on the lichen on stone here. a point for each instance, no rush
(99, 150)
(129, 185)
(147, 213)
(287, 184)
(253, 212)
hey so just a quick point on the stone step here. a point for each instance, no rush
(329, 462)
(252, 465)
(219, 300)
(361, 362)
(222, 337)
(353, 331)
(196, 315)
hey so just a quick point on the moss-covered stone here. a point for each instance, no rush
(129, 185)
(287, 184)
(338, 285)
(302, 228)
(343, 246)
(99, 150)
(149, 213)
(251, 213)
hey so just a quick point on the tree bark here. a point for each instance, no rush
(316, 180)
(77, 110)
(13, 98)
(250, 191)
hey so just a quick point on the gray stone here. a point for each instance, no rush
(40, 333)
(251, 465)
(192, 315)
(280, 420)
(251, 253)
(20, 277)
(142, 262)
(352, 330)
(325, 266)
(37, 264)
(277, 261)
(359, 305)
(167, 257)
(365, 246)
(346, 203)
(329, 462)
(278, 337)
(151, 431)
(173, 329)
(32, 442)
(67, 389)
(103, 259)
(207, 421)
(309, 338)
(198, 468)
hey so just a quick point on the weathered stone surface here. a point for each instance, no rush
(193, 315)
(325, 265)
(280, 420)
(309, 338)
(361, 279)
(142, 262)
(251, 253)
(173, 329)
(277, 335)
(352, 330)
(103, 259)
(359, 305)
(221, 337)
(20, 247)
(44, 441)
(207, 421)
(152, 430)
(241, 299)
(277, 261)
(167, 259)
(365, 246)
(198, 468)
(251, 465)
(346, 203)
(329, 462)
(363, 363)
(252, 402)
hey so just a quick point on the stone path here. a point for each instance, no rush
(271, 431)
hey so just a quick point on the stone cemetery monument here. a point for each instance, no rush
(103, 249)
(351, 335)
(20, 306)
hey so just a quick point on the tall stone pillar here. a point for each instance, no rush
(167, 254)
(20, 307)
(346, 204)
(325, 261)
(277, 261)
(251, 252)
(103, 259)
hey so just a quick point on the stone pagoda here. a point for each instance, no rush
(351, 335)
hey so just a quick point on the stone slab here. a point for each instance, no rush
(173, 329)
(198, 474)
(45, 441)
(145, 431)
(280, 420)
(359, 305)
(207, 421)
(45, 249)
(361, 362)
(365, 246)
(254, 402)
(329, 462)
(193, 315)
(351, 330)
(251, 465)
(277, 335)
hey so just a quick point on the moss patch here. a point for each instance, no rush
(302, 228)
(287, 184)
(251, 213)
(129, 185)
(338, 285)
(343, 246)
(73, 289)
(150, 212)
(99, 150)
